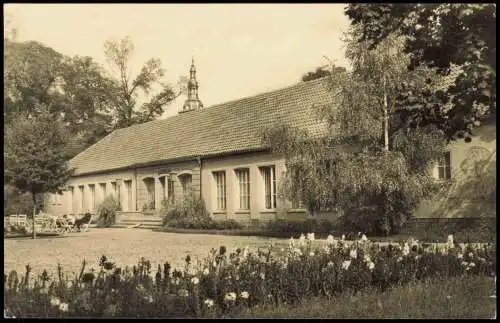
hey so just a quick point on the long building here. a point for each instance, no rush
(216, 152)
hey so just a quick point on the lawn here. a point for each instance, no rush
(455, 298)
(123, 246)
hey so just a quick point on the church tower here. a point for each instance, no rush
(193, 103)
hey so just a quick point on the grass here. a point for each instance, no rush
(455, 298)
(421, 236)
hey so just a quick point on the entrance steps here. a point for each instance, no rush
(137, 220)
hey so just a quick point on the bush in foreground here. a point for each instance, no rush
(224, 284)
(192, 213)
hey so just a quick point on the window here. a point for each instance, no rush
(186, 181)
(269, 177)
(82, 198)
(220, 184)
(92, 196)
(128, 195)
(444, 167)
(103, 191)
(170, 189)
(243, 176)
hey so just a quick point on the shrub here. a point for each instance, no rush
(15, 229)
(320, 226)
(192, 213)
(191, 206)
(15, 202)
(107, 211)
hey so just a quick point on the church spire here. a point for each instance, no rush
(192, 102)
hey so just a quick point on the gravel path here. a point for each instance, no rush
(123, 246)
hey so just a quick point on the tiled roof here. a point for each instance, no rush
(224, 128)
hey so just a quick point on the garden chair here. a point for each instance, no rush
(50, 224)
(40, 223)
(62, 225)
(22, 219)
(68, 223)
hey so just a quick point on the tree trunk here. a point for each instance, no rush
(33, 195)
(386, 118)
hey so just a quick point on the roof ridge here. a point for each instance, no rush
(255, 96)
(229, 127)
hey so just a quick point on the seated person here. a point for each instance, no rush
(84, 220)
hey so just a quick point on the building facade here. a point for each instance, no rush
(216, 153)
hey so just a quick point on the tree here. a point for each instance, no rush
(321, 72)
(35, 156)
(74, 87)
(86, 101)
(370, 158)
(126, 109)
(442, 36)
(30, 76)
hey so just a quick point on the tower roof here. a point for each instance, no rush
(193, 103)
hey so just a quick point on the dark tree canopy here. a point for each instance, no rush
(74, 88)
(442, 36)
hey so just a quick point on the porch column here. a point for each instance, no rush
(158, 196)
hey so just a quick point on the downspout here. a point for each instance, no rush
(136, 186)
(198, 160)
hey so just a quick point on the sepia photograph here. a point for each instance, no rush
(250, 160)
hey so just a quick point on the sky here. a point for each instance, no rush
(239, 49)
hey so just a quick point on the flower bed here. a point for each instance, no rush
(227, 282)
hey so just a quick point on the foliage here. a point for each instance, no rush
(106, 211)
(74, 88)
(299, 227)
(86, 100)
(464, 229)
(192, 213)
(30, 75)
(205, 224)
(322, 72)
(91, 103)
(440, 35)
(16, 202)
(191, 207)
(149, 206)
(15, 229)
(226, 283)
(434, 298)
(35, 154)
(370, 156)
(125, 91)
